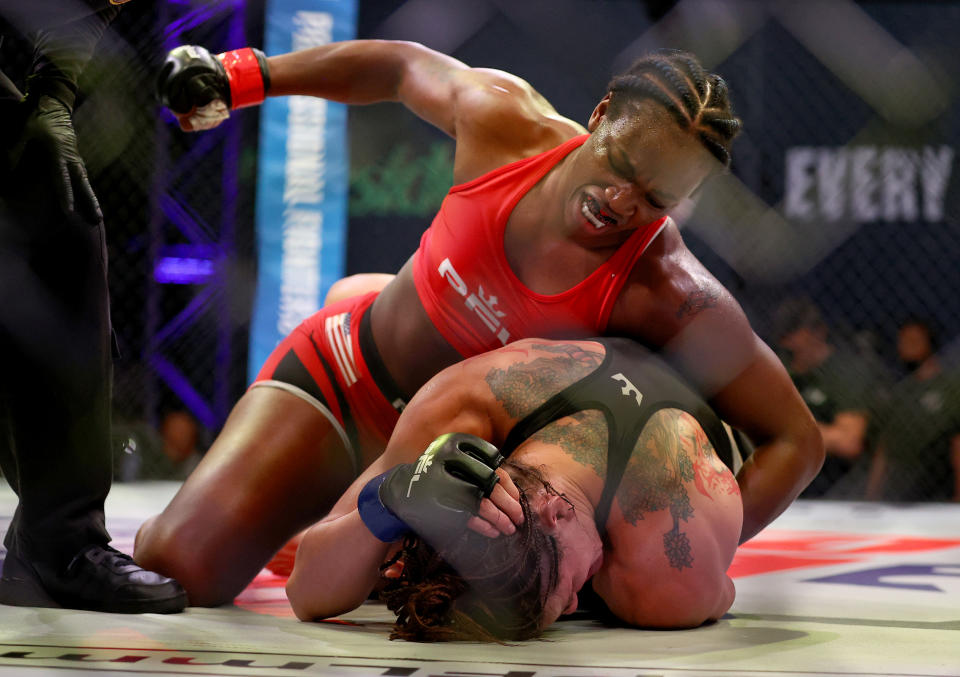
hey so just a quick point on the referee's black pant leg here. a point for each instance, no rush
(56, 370)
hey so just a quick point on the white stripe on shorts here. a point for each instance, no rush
(307, 397)
(342, 348)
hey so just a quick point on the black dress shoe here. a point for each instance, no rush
(99, 578)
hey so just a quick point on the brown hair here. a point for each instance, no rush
(496, 593)
(697, 100)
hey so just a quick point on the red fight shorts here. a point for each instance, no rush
(331, 361)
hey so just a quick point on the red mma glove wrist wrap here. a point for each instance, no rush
(247, 74)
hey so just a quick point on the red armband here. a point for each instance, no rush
(247, 74)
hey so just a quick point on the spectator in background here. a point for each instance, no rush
(918, 452)
(839, 388)
(181, 439)
(168, 453)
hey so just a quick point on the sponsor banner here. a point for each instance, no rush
(302, 183)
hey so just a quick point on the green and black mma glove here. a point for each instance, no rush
(434, 497)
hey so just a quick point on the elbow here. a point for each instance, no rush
(304, 614)
(817, 452)
(309, 604)
(809, 442)
(303, 607)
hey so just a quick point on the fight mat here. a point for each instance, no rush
(830, 588)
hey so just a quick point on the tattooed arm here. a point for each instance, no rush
(481, 396)
(320, 586)
(674, 303)
(673, 529)
(536, 370)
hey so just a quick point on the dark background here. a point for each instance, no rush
(821, 74)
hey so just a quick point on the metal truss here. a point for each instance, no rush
(192, 236)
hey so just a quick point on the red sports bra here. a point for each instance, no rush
(467, 287)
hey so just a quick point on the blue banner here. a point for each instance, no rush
(302, 183)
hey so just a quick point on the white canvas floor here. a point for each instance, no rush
(828, 589)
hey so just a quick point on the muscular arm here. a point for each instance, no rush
(495, 116)
(763, 403)
(371, 71)
(337, 563)
(336, 567)
(674, 302)
(480, 396)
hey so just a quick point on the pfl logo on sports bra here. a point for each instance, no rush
(628, 388)
(484, 306)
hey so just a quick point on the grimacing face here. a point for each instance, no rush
(634, 169)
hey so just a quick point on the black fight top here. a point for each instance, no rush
(628, 388)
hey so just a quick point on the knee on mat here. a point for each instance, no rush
(173, 553)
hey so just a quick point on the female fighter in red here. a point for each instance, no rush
(552, 229)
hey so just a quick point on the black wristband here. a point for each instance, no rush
(264, 71)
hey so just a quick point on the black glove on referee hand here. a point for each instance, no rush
(47, 137)
(437, 495)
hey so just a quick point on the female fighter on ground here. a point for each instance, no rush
(622, 486)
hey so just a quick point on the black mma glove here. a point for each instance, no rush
(201, 88)
(437, 495)
(48, 139)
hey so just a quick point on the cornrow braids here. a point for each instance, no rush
(698, 101)
(693, 70)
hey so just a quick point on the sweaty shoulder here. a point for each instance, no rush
(501, 118)
(672, 300)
